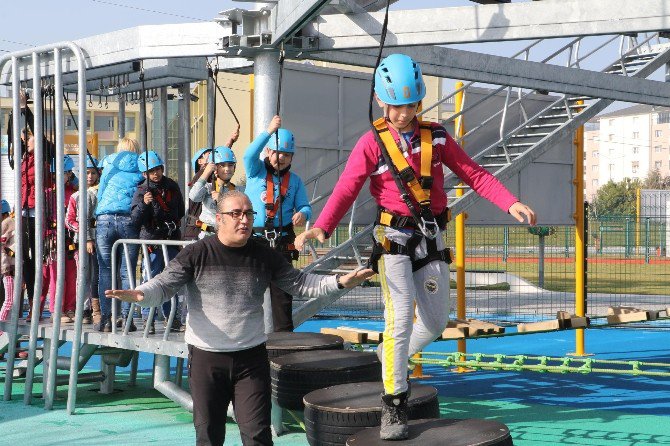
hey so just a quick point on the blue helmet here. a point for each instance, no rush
(90, 161)
(223, 154)
(196, 157)
(154, 161)
(286, 141)
(6, 209)
(68, 164)
(398, 80)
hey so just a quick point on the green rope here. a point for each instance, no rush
(541, 364)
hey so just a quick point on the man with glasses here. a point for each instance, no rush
(226, 277)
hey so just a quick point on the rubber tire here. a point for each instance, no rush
(326, 426)
(434, 432)
(285, 343)
(295, 375)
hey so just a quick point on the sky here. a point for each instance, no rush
(48, 21)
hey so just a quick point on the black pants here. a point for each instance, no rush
(216, 379)
(282, 302)
(282, 305)
(29, 256)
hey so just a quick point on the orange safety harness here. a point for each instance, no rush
(272, 206)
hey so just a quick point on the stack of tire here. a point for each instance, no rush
(296, 374)
(335, 413)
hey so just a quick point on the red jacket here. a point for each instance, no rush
(28, 181)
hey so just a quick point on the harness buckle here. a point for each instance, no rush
(271, 236)
(430, 229)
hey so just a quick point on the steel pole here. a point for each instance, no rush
(39, 231)
(18, 230)
(266, 85)
(580, 272)
(459, 131)
(83, 265)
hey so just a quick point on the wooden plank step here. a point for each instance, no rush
(347, 335)
(374, 337)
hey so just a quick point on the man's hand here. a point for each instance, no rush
(518, 210)
(274, 124)
(316, 233)
(90, 246)
(356, 277)
(148, 198)
(298, 219)
(125, 295)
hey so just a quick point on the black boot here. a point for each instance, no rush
(394, 417)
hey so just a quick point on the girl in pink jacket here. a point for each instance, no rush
(404, 158)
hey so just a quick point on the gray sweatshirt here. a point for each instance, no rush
(225, 288)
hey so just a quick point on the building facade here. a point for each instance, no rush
(627, 143)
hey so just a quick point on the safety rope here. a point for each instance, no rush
(282, 55)
(541, 364)
(76, 126)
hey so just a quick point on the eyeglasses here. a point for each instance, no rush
(237, 214)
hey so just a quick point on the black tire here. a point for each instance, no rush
(354, 407)
(296, 374)
(469, 432)
(284, 343)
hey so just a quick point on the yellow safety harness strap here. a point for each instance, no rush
(407, 174)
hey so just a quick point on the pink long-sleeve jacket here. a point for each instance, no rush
(366, 161)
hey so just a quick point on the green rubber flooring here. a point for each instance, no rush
(139, 415)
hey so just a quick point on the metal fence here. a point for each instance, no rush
(515, 276)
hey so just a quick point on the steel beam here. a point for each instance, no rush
(291, 15)
(491, 23)
(466, 65)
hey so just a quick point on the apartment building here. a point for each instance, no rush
(626, 143)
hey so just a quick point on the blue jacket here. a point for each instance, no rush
(296, 198)
(118, 184)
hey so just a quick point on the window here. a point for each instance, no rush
(594, 183)
(635, 165)
(611, 122)
(611, 137)
(659, 133)
(636, 150)
(663, 118)
(636, 135)
(584, 156)
(595, 154)
(596, 138)
(635, 120)
(658, 164)
(657, 149)
(103, 123)
(611, 153)
(130, 124)
(594, 168)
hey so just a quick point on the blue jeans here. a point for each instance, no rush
(109, 229)
(156, 265)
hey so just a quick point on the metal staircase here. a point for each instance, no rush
(515, 149)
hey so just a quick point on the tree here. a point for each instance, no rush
(655, 180)
(616, 198)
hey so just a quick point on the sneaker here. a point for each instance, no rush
(152, 328)
(103, 324)
(132, 325)
(176, 325)
(394, 417)
(87, 319)
(67, 317)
